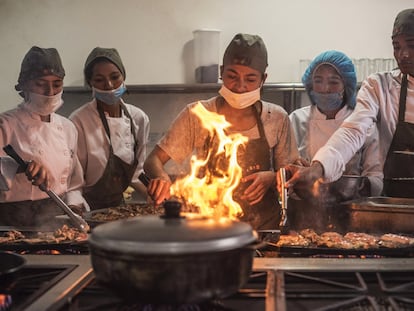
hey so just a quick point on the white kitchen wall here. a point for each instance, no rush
(154, 37)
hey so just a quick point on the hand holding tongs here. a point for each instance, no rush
(283, 197)
(78, 221)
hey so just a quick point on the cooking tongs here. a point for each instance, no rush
(283, 197)
(78, 221)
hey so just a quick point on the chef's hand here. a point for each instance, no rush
(260, 182)
(300, 179)
(38, 174)
(159, 189)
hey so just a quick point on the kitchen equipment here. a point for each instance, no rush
(283, 200)
(76, 219)
(128, 210)
(324, 252)
(34, 241)
(172, 258)
(321, 210)
(10, 265)
(378, 215)
(275, 284)
(144, 179)
(268, 235)
(206, 55)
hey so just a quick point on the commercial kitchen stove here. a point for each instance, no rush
(275, 284)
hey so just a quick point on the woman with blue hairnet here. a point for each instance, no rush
(386, 101)
(330, 82)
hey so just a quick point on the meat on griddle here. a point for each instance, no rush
(351, 240)
(62, 234)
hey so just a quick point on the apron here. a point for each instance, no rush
(398, 165)
(108, 190)
(39, 214)
(254, 157)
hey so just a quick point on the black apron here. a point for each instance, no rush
(397, 165)
(254, 156)
(108, 190)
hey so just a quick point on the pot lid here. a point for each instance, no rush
(176, 234)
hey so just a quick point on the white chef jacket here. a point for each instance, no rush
(312, 130)
(53, 144)
(93, 142)
(377, 101)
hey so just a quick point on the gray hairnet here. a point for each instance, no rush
(248, 50)
(343, 64)
(110, 54)
(39, 62)
(404, 23)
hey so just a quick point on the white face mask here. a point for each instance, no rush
(44, 105)
(242, 100)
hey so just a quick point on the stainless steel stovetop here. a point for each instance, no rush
(275, 294)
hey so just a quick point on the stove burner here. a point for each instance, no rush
(208, 306)
(30, 284)
(5, 302)
(345, 291)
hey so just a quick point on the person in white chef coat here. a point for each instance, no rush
(113, 135)
(330, 82)
(46, 140)
(385, 99)
(270, 146)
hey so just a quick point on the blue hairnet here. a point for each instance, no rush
(343, 64)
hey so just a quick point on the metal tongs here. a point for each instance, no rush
(283, 198)
(78, 221)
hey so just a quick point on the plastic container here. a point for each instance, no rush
(206, 55)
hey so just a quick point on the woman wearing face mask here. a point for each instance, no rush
(330, 82)
(112, 134)
(45, 139)
(270, 145)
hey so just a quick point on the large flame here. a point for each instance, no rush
(211, 188)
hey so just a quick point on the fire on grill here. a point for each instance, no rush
(211, 188)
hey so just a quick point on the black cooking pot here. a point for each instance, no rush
(10, 265)
(173, 258)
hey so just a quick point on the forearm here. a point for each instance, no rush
(154, 164)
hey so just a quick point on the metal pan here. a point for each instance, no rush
(379, 215)
(104, 215)
(10, 265)
(297, 251)
(22, 246)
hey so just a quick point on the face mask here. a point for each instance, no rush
(44, 105)
(327, 101)
(242, 100)
(109, 97)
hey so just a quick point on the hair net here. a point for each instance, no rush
(404, 23)
(247, 50)
(39, 62)
(110, 54)
(343, 64)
